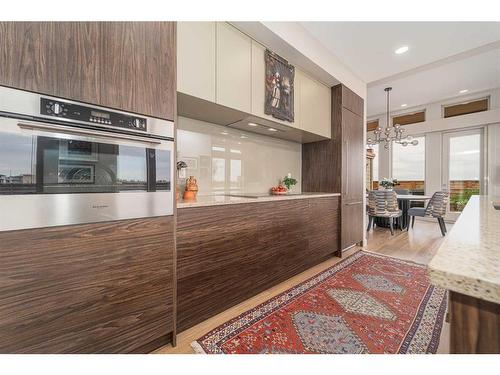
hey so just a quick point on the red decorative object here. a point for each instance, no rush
(367, 303)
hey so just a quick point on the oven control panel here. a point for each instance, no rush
(71, 111)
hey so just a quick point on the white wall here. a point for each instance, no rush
(433, 129)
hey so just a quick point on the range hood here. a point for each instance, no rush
(254, 124)
(203, 110)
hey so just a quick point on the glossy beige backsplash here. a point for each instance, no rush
(226, 160)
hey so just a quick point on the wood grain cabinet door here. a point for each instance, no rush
(353, 157)
(92, 288)
(138, 67)
(351, 224)
(76, 51)
(28, 56)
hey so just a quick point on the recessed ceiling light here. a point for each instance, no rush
(404, 105)
(224, 133)
(252, 124)
(401, 50)
(463, 91)
(272, 130)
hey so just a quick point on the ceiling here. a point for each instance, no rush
(477, 73)
(368, 47)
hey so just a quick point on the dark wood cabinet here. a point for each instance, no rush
(337, 165)
(93, 288)
(474, 325)
(76, 51)
(28, 56)
(125, 65)
(138, 67)
(353, 152)
(226, 254)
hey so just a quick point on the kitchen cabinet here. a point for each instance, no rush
(125, 65)
(315, 111)
(229, 253)
(138, 67)
(234, 71)
(353, 156)
(54, 58)
(219, 64)
(92, 288)
(196, 59)
(337, 165)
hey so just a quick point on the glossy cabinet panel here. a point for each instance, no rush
(315, 109)
(234, 72)
(216, 59)
(196, 59)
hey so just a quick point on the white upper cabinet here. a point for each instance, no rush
(259, 86)
(220, 64)
(234, 68)
(315, 106)
(196, 61)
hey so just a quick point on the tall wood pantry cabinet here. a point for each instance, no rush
(337, 165)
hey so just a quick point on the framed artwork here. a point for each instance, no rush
(279, 95)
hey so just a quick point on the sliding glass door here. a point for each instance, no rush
(463, 176)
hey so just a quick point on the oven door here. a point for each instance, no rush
(61, 175)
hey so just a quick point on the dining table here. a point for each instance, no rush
(404, 204)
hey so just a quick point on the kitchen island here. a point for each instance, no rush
(231, 248)
(468, 265)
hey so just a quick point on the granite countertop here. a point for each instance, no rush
(215, 200)
(468, 261)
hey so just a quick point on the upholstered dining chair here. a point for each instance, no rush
(435, 208)
(383, 203)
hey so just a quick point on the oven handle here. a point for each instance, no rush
(64, 129)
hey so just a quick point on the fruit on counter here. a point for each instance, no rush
(280, 189)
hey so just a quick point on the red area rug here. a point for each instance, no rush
(367, 303)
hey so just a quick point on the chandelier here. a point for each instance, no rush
(385, 135)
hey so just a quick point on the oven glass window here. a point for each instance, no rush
(163, 164)
(17, 169)
(50, 165)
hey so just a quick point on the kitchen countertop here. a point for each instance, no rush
(468, 261)
(215, 200)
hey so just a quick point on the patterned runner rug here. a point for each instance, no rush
(367, 303)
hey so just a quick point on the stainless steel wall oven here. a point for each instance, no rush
(64, 162)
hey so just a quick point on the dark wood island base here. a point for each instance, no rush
(474, 326)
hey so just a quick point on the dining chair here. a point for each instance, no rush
(435, 208)
(383, 203)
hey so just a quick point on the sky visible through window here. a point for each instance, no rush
(408, 163)
(465, 163)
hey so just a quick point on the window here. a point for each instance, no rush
(408, 166)
(372, 125)
(409, 118)
(465, 108)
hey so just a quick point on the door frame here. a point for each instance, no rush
(445, 172)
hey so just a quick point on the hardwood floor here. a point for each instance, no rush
(418, 245)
